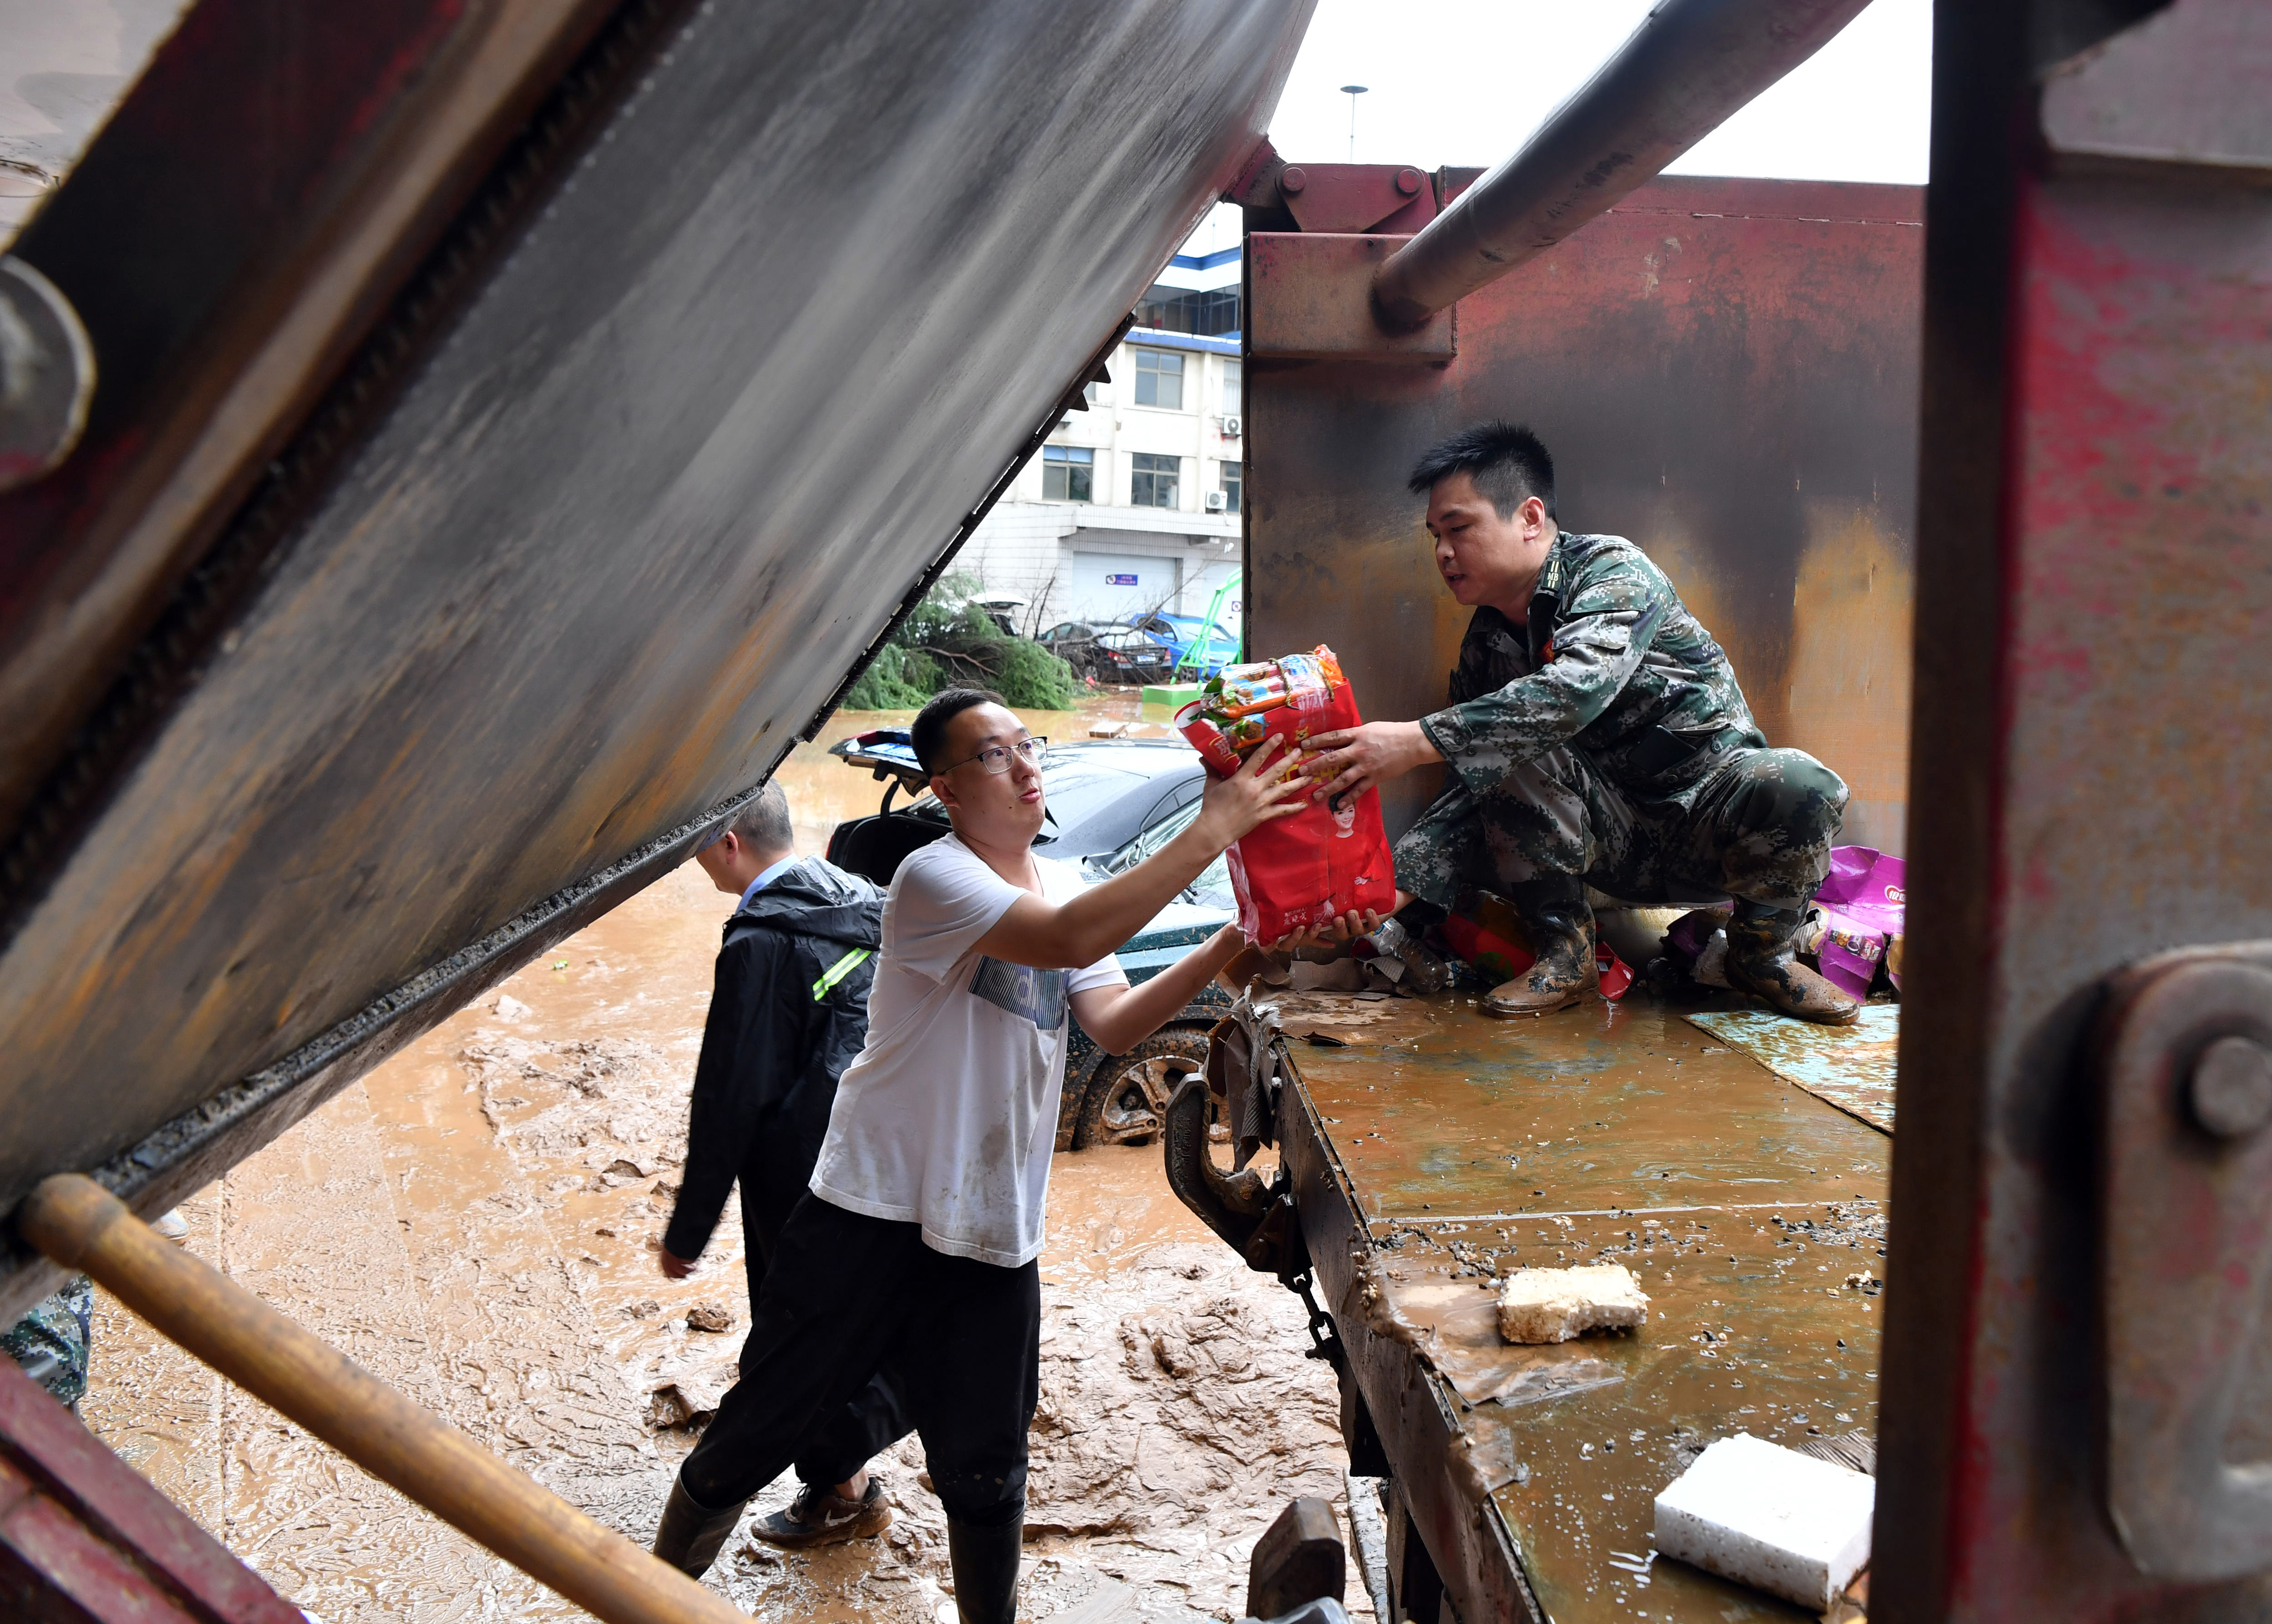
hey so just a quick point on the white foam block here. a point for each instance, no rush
(1762, 1514)
(1554, 1305)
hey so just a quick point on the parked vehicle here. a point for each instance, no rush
(1110, 804)
(1074, 642)
(1004, 611)
(1200, 649)
(1142, 648)
(1127, 654)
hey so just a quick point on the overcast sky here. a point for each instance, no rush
(1452, 82)
(1466, 81)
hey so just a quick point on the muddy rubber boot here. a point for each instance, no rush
(985, 1563)
(1561, 929)
(691, 1533)
(1761, 962)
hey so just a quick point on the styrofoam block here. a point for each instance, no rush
(1554, 1305)
(1762, 1514)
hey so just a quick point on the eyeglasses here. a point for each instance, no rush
(996, 758)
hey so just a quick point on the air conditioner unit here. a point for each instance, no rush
(1217, 501)
(1230, 427)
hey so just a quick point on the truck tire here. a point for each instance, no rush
(1127, 1095)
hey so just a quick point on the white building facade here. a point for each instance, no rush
(1132, 506)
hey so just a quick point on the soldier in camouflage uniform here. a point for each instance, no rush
(1596, 734)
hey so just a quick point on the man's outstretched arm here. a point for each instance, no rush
(1119, 1018)
(1071, 935)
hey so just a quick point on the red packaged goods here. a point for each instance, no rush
(1309, 868)
(1288, 699)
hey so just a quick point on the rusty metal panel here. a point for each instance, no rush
(1372, 198)
(1726, 372)
(628, 476)
(83, 1538)
(2093, 764)
(1312, 296)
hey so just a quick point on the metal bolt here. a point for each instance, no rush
(1295, 178)
(46, 374)
(2232, 1087)
(1407, 182)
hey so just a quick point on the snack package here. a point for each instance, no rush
(1307, 868)
(1862, 901)
(1288, 699)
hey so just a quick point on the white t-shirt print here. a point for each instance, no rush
(948, 1115)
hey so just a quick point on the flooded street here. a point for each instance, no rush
(476, 1221)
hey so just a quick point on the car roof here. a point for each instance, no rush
(1136, 760)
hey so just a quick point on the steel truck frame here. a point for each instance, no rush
(424, 472)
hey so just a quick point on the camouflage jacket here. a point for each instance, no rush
(1611, 663)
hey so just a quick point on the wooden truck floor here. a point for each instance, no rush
(1438, 1147)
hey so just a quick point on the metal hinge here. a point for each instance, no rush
(2184, 1052)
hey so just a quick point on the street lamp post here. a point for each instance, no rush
(1353, 91)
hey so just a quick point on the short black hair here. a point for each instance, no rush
(763, 823)
(928, 734)
(1508, 463)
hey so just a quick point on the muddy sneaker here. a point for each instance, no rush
(1423, 971)
(819, 1517)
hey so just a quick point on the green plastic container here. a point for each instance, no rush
(1173, 695)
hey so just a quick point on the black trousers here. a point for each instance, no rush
(846, 1298)
(856, 1432)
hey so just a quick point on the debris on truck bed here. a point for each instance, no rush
(1749, 1510)
(1556, 1304)
(1850, 1066)
(1440, 1153)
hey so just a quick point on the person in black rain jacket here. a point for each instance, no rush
(789, 1011)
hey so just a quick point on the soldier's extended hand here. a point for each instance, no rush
(1351, 760)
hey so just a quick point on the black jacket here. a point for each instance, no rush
(788, 1013)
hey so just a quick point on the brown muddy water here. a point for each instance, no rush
(476, 1221)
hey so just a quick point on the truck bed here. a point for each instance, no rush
(1438, 1147)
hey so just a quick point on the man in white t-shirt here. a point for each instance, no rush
(916, 1248)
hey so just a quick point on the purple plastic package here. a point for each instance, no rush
(1862, 903)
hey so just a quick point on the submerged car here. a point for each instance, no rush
(1108, 803)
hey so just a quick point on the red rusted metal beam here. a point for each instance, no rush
(1688, 67)
(84, 1538)
(1311, 299)
(2093, 760)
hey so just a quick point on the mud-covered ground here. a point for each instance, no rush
(476, 1221)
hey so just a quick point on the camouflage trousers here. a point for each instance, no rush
(51, 1342)
(1758, 826)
